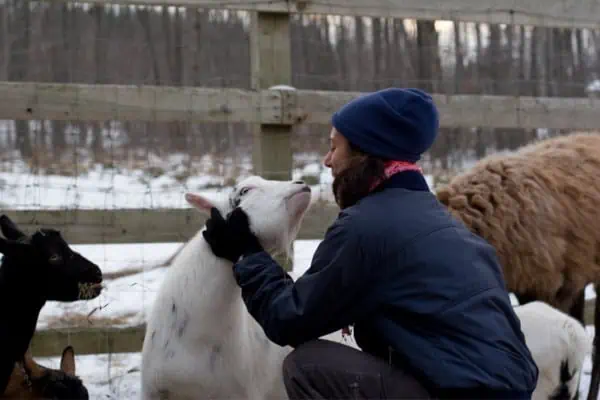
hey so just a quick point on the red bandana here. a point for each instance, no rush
(394, 167)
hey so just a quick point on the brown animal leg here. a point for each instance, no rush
(595, 381)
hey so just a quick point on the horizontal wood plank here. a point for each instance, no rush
(474, 111)
(145, 225)
(51, 342)
(548, 13)
(55, 101)
(52, 101)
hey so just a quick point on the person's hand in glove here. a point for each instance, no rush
(230, 238)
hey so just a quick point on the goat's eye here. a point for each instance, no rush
(244, 191)
(55, 259)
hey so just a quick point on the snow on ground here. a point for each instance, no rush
(106, 376)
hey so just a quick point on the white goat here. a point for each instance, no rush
(558, 344)
(201, 342)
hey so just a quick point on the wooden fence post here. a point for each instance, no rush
(270, 58)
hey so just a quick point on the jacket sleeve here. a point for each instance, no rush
(333, 293)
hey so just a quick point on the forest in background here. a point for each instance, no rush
(59, 42)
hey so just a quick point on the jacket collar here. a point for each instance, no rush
(410, 180)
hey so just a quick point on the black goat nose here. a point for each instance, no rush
(299, 182)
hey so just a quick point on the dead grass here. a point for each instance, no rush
(78, 320)
(68, 164)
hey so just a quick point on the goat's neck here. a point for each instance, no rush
(21, 300)
(20, 307)
(205, 287)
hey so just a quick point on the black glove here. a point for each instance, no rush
(230, 238)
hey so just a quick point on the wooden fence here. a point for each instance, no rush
(273, 113)
(51, 342)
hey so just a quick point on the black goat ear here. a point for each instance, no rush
(9, 228)
(4, 246)
(11, 247)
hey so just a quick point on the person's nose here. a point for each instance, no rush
(327, 160)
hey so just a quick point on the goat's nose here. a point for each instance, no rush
(299, 182)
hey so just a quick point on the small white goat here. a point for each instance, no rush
(201, 342)
(558, 344)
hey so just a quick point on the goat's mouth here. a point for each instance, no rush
(89, 290)
(302, 190)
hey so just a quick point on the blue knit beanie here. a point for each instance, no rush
(394, 124)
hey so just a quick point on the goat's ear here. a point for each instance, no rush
(201, 203)
(5, 246)
(9, 228)
(10, 247)
(67, 361)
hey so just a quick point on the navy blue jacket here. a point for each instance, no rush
(414, 281)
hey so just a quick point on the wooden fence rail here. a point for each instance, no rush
(58, 101)
(546, 13)
(48, 343)
(145, 225)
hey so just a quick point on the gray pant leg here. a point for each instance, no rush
(323, 369)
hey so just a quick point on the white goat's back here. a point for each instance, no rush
(558, 344)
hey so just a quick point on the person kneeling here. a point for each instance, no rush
(425, 295)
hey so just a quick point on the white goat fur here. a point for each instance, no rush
(201, 342)
(553, 337)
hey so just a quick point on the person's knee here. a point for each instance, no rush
(289, 364)
(305, 353)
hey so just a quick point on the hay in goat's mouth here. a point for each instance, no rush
(89, 290)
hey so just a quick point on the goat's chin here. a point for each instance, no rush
(297, 207)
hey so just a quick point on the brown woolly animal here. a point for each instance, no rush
(539, 208)
(30, 380)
